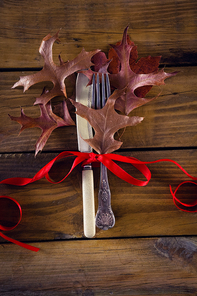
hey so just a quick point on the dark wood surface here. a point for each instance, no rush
(166, 28)
(143, 266)
(152, 250)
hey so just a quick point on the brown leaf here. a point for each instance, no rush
(47, 122)
(106, 122)
(137, 77)
(126, 103)
(53, 72)
(114, 66)
(126, 77)
(100, 62)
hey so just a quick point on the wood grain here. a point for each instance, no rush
(154, 266)
(152, 250)
(170, 120)
(166, 28)
(54, 211)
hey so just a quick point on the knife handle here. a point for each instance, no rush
(88, 201)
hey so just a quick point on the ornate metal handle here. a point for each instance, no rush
(105, 217)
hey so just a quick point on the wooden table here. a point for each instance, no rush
(152, 250)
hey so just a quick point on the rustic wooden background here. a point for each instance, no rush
(152, 250)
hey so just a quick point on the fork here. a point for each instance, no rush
(105, 217)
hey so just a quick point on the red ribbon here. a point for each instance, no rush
(5, 228)
(109, 161)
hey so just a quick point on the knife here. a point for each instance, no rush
(84, 131)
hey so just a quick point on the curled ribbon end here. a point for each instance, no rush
(28, 247)
(7, 228)
(184, 206)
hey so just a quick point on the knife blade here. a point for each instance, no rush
(84, 131)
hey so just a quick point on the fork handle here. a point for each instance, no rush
(105, 217)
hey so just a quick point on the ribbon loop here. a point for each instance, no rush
(107, 160)
(13, 203)
(185, 206)
(7, 228)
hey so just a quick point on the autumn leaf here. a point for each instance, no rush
(130, 101)
(126, 77)
(137, 77)
(126, 73)
(100, 65)
(47, 122)
(114, 66)
(145, 65)
(105, 122)
(100, 62)
(55, 73)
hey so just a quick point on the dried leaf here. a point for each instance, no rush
(106, 122)
(126, 77)
(47, 122)
(137, 77)
(114, 66)
(54, 73)
(130, 100)
(101, 63)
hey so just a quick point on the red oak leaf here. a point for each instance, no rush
(101, 63)
(105, 122)
(47, 122)
(114, 66)
(53, 72)
(126, 77)
(145, 66)
(137, 77)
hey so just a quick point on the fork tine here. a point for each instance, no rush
(98, 95)
(93, 105)
(103, 91)
(108, 90)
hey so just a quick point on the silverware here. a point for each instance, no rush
(105, 217)
(84, 131)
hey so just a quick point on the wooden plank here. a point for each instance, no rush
(170, 120)
(118, 261)
(164, 28)
(54, 211)
(155, 266)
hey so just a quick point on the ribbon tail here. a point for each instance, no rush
(186, 207)
(31, 248)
